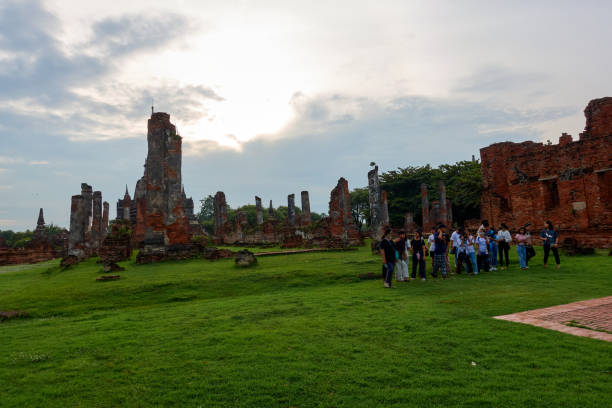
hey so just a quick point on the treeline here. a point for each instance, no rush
(463, 188)
(206, 214)
(14, 239)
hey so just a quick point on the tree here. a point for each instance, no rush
(207, 209)
(360, 206)
(463, 188)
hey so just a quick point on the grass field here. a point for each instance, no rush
(296, 331)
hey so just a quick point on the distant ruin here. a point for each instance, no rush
(569, 183)
(42, 247)
(336, 230)
(439, 211)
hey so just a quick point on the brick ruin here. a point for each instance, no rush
(440, 211)
(165, 219)
(569, 183)
(41, 248)
(88, 223)
(336, 230)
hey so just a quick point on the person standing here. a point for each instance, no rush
(388, 252)
(432, 245)
(462, 254)
(441, 241)
(521, 246)
(418, 254)
(550, 241)
(503, 240)
(492, 236)
(472, 251)
(455, 240)
(401, 265)
(483, 252)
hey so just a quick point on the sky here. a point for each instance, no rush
(275, 97)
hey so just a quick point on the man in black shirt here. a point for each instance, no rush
(387, 250)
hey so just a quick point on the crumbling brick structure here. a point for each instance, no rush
(569, 183)
(339, 228)
(165, 220)
(440, 211)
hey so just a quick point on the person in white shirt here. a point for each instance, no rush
(432, 244)
(455, 240)
(503, 242)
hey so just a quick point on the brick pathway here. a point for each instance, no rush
(595, 314)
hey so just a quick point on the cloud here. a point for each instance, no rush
(75, 94)
(7, 222)
(336, 135)
(38, 162)
(132, 33)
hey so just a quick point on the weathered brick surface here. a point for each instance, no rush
(594, 315)
(569, 183)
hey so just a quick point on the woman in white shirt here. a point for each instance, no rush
(503, 243)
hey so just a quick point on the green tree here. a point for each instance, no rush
(360, 206)
(463, 188)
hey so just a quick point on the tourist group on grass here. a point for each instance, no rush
(475, 251)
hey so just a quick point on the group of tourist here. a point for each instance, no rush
(474, 250)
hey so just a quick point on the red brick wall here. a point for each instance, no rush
(567, 183)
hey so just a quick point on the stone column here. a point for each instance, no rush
(425, 208)
(78, 226)
(259, 210)
(305, 208)
(220, 212)
(443, 203)
(384, 207)
(374, 200)
(96, 222)
(87, 193)
(291, 210)
(271, 209)
(104, 226)
(408, 222)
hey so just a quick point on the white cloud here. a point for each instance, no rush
(7, 223)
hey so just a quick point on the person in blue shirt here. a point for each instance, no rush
(550, 241)
(492, 235)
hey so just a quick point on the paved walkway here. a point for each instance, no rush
(591, 315)
(303, 251)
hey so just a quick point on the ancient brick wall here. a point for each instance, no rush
(569, 183)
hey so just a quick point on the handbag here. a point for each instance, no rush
(530, 252)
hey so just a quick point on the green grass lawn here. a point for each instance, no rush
(298, 330)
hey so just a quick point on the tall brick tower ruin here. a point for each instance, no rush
(166, 222)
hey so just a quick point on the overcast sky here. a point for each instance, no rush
(273, 98)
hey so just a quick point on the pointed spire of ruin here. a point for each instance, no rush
(126, 196)
(41, 218)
